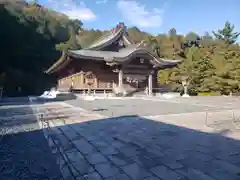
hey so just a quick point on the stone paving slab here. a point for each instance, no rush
(137, 148)
(24, 151)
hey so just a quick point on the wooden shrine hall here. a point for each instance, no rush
(113, 63)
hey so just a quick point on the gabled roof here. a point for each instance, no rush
(95, 52)
(113, 57)
(112, 36)
(121, 56)
(59, 64)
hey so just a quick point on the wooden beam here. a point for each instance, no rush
(136, 71)
(129, 66)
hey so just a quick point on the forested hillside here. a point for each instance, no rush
(32, 36)
(28, 37)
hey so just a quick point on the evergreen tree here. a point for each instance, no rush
(227, 34)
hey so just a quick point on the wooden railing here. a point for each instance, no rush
(71, 76)
(78, 81)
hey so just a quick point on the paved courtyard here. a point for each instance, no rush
(157, 105)
(133, 139)
(24, 151)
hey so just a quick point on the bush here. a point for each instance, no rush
(190, 92)
(208, 94)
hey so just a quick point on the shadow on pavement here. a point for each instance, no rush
(22, 101)
(124, 147)
(14, 101)
(24, 151)
(132, 147)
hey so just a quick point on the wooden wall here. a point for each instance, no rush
(84, 74)
(77, 73)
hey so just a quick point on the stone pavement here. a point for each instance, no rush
(90, 146)
(24, 152)
(157, 106)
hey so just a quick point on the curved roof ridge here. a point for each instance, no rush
(120, 55)
(157, 60)
(59, 62)
(105, 35)
(106, 39)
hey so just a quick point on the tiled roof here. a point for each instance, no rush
(103, 54)
(111, 36)
(94, 52)
(122, 55)
(104, 39)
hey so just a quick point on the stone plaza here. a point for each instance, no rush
(146, 138)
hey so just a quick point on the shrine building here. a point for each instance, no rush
(112, 61)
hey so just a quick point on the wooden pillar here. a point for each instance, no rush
(120, 77)
(150, 84)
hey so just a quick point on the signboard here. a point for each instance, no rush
(89, 78)
(134, 77)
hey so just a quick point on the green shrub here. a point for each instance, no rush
(209, 94)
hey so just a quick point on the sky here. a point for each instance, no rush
(153, 16)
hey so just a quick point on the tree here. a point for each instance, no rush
(227, 34)
(77, 25)
(197, 67)
(154, 45)
(204, 73)
(32, 46)
(34, 1)
(191, 39)
(234, 69)
(207, 36)
(2, 79)
(191, 36)
(172, 33)
(72, 43)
